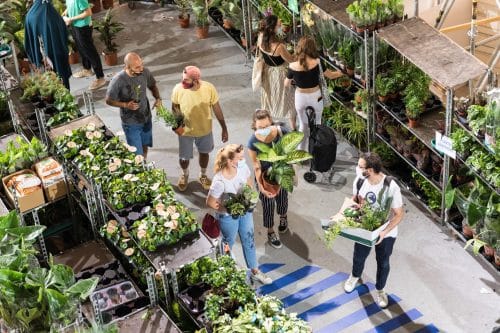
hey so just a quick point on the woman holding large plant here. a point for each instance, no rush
(274, 96)
(232, 175)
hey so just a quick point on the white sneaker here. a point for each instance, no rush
(382, 299)
(262, 278)
(350, 283)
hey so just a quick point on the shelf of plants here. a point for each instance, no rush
(434, 57)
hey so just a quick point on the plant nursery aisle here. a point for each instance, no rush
(434, 284)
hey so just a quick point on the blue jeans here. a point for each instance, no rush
(139, 135)
(244, 227)
(383, 252)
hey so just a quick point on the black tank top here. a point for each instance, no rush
(272, 60)
(305, 79)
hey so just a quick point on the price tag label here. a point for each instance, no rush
(444, 144)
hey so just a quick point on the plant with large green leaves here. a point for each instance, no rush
(21, 154)
(108, 30)
(33, 298)
(282, 155)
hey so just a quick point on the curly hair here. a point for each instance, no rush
(372, 160)
(306, 47)
(260, 114)
(267, 27)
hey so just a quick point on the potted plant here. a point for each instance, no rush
(73, 53)
(174, 120)
(183, 6)
(383, 86)
(347, 52)
(282, 156)
(231, 11)
(396, 10)
(200, 10)
(414, 108)
(108, 30)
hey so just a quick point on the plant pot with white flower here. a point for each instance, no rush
(108, 30)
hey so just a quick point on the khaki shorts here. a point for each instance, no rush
(204, 145)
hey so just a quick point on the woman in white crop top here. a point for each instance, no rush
(231, 174)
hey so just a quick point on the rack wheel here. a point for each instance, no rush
(310, 177)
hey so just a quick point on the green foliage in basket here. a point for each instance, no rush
(370, 218)
(164, 225)
(194, 272)
(476, 115)
(266, 315)
(282, 155)
(34, 298)
(462, 141)
(21, 154)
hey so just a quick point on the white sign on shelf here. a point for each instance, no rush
(444, 145)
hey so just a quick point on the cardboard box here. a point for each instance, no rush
(55, 190)
(361, 236)
(26, 202)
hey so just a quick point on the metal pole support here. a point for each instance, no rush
(446, 163)
(152, 288)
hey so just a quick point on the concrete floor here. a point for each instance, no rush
(435, 283)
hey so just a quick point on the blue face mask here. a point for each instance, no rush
(264, 132)
(241, 164)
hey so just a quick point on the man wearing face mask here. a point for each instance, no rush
(127, 91)
(370, 182)
(196, 99)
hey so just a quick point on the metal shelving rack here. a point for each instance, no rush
(443, 61)
(336, 11)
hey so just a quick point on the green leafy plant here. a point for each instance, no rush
(414, 108)
(432, 195)
(108, 30)
(282, 156)
(200, 10)
(266, 315)
(184, 7)
(355, 130)
(174, 120)
(462, 141)
(34, 298)
(476, 115)
(368, 217)
(384, 85)
(348, 50)
(238, 204)
(387, 155)
(20, 154)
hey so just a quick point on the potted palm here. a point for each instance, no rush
(383, 86)
(108, 29)
(200, 10)
(282, 155)
(73, 53)
(414, 108)
(183, 7)
(231, 13)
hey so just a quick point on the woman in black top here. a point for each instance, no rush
(274, 96)
(305, 73)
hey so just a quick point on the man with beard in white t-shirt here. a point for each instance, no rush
(370, 183)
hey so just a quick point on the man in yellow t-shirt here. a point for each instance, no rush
(196, 99)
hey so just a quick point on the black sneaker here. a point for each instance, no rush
(274, 240)
(283, 227)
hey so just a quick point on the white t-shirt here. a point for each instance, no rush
(370, 192)
(221, 184)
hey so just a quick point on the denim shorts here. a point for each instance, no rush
(139, 135)
(204, 144)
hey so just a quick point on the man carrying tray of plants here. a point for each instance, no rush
(370, 182)
(127, 91)
(195, 99)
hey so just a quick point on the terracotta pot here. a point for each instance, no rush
(272, 188)
(73, 58)
(497, 259)
(106, 4)
(202, 32)
(179, 130)
(184, 21)
(413, 123)
(392, 96)
(349, 71)
(24, 66)
(110, 59)
(467, 231)
(96, 8)
(227, 24)
(383, 99)
(358, 99)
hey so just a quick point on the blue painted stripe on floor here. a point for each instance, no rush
(335, 302)
(428, 329)
(305, 293)
(396, 322)
(266, 268)
(357, 316)
(288, 279)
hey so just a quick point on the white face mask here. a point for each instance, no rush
(241, 164)
(264, 132)
(359, 172)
